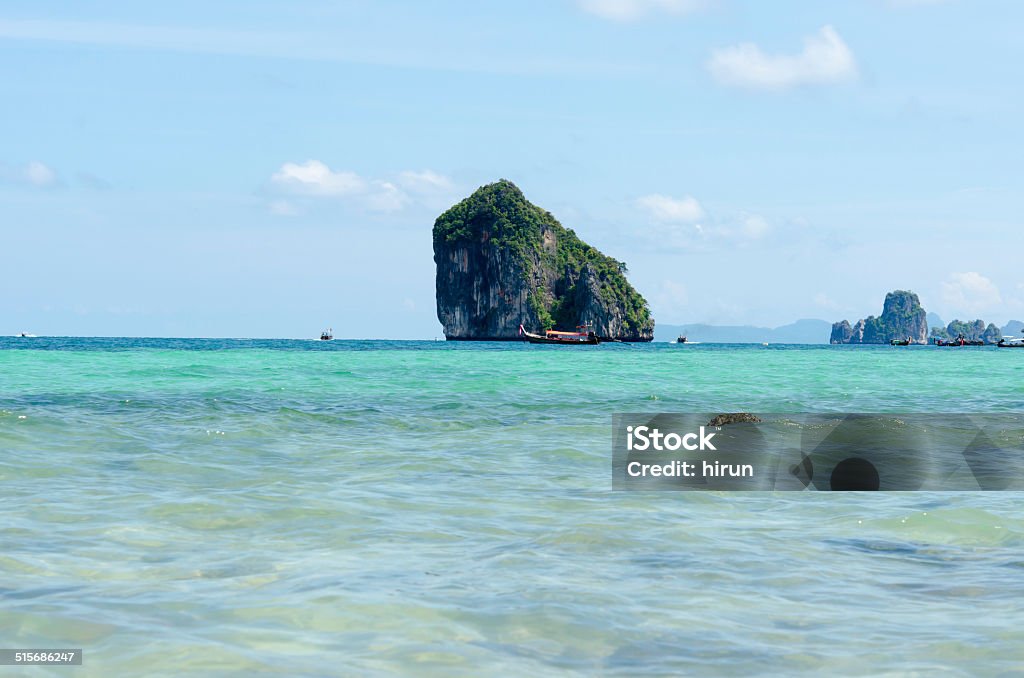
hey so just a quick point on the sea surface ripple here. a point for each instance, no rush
(260, 507)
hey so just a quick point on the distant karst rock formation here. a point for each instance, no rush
(902, 318)
(502, 261)
(971, 331)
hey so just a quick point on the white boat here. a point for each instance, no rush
(25, 335)
(1011, 342)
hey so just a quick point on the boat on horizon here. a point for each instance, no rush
(327, 335)
(583, 336)
(25, 335)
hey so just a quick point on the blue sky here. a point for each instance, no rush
(268, 168)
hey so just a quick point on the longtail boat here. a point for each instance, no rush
(959, 342)
(583, 336)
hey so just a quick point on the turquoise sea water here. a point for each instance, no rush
(376, 508)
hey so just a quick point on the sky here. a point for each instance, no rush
(268, 169)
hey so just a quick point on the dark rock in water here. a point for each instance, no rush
(902, 318)
(735, 418)
(502, 261)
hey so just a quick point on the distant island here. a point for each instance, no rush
(502, 261)
(940, 330)
(976, 330)
(902, 319)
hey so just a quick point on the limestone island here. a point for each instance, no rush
(902, 319)
(973, 332)
(503, 262)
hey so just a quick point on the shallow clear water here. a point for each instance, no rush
(247, 507)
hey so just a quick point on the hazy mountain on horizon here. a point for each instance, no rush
(805, 331)
(1013, 328)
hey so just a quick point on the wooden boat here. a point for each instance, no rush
(681, 339)
(327, 335)
(959, 342)
(1011, 343)
(897, 342)
(581, 337)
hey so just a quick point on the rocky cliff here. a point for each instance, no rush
(502, 261)
(902, 317)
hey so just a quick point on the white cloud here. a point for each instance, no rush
(682, 224)
(315, 179)
(971, 293)
(628, 10)
(741, 230)
(666, 208)
(38, 174)
(385, 197)
(825, 59)
(33, 173)
(425, 181)
(754, 226)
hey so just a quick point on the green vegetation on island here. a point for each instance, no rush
(902, 318)
(502, 261)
